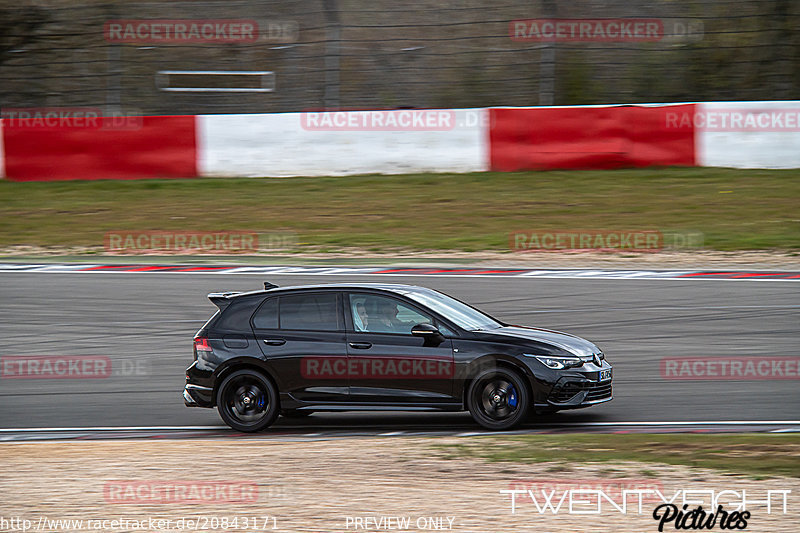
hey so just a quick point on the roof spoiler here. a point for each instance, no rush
(222, 299)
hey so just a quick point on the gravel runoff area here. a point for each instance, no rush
(335, 486)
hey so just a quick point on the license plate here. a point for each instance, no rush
(605, 375)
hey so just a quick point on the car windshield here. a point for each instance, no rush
(461, 314)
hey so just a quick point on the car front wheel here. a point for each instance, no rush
(247, 401)
(498, 399)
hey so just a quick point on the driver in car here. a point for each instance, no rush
(387, 318)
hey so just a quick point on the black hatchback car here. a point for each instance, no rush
(295, 350)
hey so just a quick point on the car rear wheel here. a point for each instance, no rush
(498, 399)
(247, 401)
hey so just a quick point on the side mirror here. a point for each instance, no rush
(425, 330)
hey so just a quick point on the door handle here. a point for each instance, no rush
(275, 342)
(361, 345)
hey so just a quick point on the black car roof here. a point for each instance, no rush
(397, 288)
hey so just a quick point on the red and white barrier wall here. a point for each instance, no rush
(2, 152)
(735, 134)
(338, 144)
(767, 137)
(148, 147)
(589, 137)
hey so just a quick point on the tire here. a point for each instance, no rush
(248, 401)
(498, 399)
(295, 413)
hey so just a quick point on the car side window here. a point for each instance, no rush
(236, 316)
(267, 315)
(314, 312)
(373, 313)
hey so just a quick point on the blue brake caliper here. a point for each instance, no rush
(512, 397)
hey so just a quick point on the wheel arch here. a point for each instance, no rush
(234, 365)
(495, 360)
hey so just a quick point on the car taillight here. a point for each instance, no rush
(201, 345)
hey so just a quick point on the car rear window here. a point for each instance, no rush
(267, 315)
(236, 316)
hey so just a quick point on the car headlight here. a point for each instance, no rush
(555, 362)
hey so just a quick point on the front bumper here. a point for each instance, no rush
(573, 393)
(574, 388)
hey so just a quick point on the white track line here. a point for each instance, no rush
(111, 428)
(566, 424)
(644, 277)
(675, 423)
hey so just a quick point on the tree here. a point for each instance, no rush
(18, 28)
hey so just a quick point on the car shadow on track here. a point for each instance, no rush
(414, 422)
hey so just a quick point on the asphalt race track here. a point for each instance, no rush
(144, 322)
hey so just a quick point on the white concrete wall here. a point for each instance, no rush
(299, 144)
(771, 138)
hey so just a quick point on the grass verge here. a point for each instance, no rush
(733, 209)
(757, 455)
